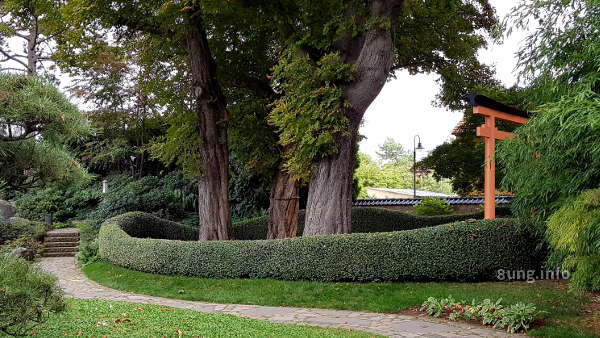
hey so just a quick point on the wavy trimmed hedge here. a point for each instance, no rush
(458, 251)
(363, 220)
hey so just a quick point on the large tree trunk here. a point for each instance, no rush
(329, 206)
(330, 191)
(209, 105)
(284, 206)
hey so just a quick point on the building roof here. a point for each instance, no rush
(420, 193)
(414, 201)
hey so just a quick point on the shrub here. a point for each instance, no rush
(25, 234)
(88, 247)
(431, 206)
(13, 230)
(458, 251)
(574, 234)
(364, 220)
(88, 253)
(554, 157)
(516, 317)
(62, 204)
(27, 296)
(87, 232)
(168, 196)
(27, 242)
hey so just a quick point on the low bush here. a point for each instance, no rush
(62, 204)
(168, 196)
(574, 235)
(465, 251)
(10, 231)
(514, 318)
(27, 296)
(23, 234)
(431, 206)
(88, 243)
(88, 253)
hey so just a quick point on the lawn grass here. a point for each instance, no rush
(95, 318)
(562, 308)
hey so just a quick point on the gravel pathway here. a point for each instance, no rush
(77, 285)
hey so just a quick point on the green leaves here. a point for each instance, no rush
(27, 296)
(458, 251)
(515, 318)
(555, 156)
(431, 206)
(37, 122)
(574, 234)
(309, 115)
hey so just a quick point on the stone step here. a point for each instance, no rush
(62, 249)
(56, 233)
(61, 239)
(58, 254)
(61, 244)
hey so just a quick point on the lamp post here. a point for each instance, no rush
(416, 147)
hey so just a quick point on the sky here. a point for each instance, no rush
(404, 107)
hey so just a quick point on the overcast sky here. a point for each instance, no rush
(404, 107)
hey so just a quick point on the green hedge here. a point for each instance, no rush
(363, 220)
(465, 251)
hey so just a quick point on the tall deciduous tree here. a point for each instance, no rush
(180, 28)
(33, 24)
(353, 48)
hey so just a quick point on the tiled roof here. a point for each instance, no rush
(421, 193)
(414, 201)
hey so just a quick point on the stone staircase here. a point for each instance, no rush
(61, 243)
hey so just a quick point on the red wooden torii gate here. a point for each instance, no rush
(493, 110)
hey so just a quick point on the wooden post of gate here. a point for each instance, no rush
(493, 110)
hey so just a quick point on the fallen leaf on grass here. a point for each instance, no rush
(180, 333)
(122, 320)
(78, 333)
(166, 309)
(139, 308)
(34, 333)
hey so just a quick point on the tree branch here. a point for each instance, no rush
(13, 58)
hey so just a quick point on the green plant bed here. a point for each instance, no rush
(95, 318)
(562, 308)
(457, 251)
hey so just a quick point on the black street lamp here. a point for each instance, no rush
(416, 147)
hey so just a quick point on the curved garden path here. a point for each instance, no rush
(77, 285)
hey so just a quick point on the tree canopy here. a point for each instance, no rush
(37, 124)
(555, 155)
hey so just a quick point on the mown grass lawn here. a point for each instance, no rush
(95, 318)
(564, 309)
